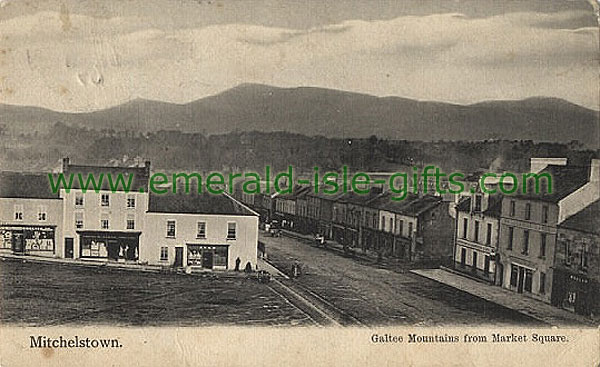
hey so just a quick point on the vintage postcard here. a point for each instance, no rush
(299, 183)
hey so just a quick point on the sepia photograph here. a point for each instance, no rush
(315, 182)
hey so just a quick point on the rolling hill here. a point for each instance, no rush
(332, 113)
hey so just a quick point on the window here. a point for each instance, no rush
(477, 206)
(545, 214)
(525, 242)
(104, 200)
(528, 279)
(42, 213)
(401, 226)
(201, 230)
(584, 256)
(164, 253)
(392, 225)
(410, 230)
(130, 201)
(567, 253)
(486, 264)
(511, 237)
(18, 212)
(130, 224)
(542, 283)
(104, 222)
(231, 230)
(171, 228)
(543, 245)
(512, 208)
(476, 234)
(220, 257)
(488, 235)
(528, 211)
(78, 220)
(465, 228)
(79, 200)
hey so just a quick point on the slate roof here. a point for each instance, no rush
(196, 203)
(412, 205)
(565, 180)
(138, 182)
(26, 185)
(587, 220)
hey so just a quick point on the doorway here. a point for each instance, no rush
(521, 280)
(207, 259)
(178, 257)
(68, 248)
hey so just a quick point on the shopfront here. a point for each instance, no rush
(109, 245)
(208, 256)
(28, 239)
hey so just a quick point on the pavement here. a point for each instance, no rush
(528, 306)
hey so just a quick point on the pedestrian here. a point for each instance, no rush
(248, 268)
(237, 264)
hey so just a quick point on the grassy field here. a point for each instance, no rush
(43, 294)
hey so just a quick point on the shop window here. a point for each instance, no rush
(231, 230)
(18, 212)
(79, 220)
(79, 200)
(92, 248)
(130, 201)
(164, 253)
(201, 230)
(105, 200)
(220, 257)
(171, 228)
(42, 213)
(528, 280)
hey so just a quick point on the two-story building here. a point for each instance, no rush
(104, 222)
(576, 275)
(199, 232)
(31, 215)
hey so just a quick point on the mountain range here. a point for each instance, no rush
(332, 113)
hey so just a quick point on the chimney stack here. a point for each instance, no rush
(147, 167)
(538, 164)
(65, 164)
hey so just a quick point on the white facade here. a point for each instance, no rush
(160, 246)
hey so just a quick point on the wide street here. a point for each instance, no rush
(376, 296)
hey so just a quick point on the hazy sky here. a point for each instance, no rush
(85, 55)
